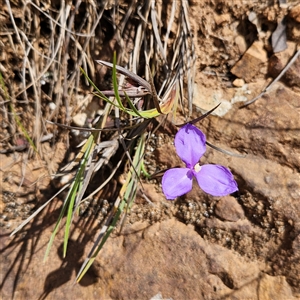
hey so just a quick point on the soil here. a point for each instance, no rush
(248, 223)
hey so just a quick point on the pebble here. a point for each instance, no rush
(229, 209)
(220, 19)
(52, 105)
(80, 119)
(251, 62)
(238, 82)
(241, 44)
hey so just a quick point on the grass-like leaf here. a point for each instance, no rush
(78, 185)
(70, 199)
(132, 106)
(115, 83)
(127, 194)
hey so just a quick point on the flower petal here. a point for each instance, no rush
(190, 144)
(216, 180)
(177, 182)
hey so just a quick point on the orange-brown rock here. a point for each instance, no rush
(278, 61)
(229, 209)
(251, 62)
(295, 13)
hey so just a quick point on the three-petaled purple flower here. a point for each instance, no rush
(213, 179)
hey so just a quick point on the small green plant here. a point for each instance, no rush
(134, 151)
(189, 141)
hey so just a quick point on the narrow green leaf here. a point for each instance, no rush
(107, 100)
(78, 183)
(130, 187)
(57, 224)
(104, 239)
(93, 84)
(132, 105)
(144, 171)
(100, 95)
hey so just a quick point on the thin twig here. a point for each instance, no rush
(274, 81)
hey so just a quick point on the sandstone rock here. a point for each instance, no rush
(207, 98)
(274, 288)
(241, 44)
(271, 128)
(30, 278)
(168, 258)
(163, 156)
(220, 19)
(268, 179)
(243, 226)
(295, 13)
(179, 264)
(251, 62)
(279, 60)
(238, 82)
(228, 209)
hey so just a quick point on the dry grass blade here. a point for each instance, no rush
(157, 34)
(274, 81)
(171, 21)
(129, 74)
(24, 223)
(190, 56)
(225, 151)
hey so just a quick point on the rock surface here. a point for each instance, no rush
(244, 246)
(228, 209)
(251, 62)
(268, 176)
(269, 181)
(278, 61)
(295, 13)
(168, 258)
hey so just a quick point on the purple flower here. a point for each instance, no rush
(213, 179)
